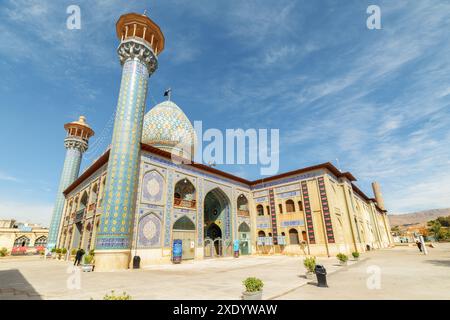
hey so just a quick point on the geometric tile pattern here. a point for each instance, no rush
(152, 187)
(69, 173)
(167, 125)
(149, 234)
(308, 214)
(326, 210)
(169, 203)
(274, 217)
(120, 196)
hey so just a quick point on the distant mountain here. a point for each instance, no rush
(417, 217)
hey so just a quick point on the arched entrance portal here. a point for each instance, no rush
(244, 238)
(217, 225)
(184, 229)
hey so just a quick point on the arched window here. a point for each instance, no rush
(260, 210)
(300, 206)
(293, 236)
(83, 201)
(290, 206)
(184, 223)
(41, 241)
(242, 206)
(184, 194)
(261, 233)
(304, 236)
(280, 208)
(22, 242)
(94, 194)
(268, 210)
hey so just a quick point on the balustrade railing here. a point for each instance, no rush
(243, 213)
(184, 203)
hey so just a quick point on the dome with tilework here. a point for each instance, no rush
(167, 127)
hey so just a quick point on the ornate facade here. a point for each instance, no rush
(135, 200)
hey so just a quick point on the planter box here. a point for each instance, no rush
(252, 295)
(87, 267)
(310, 275)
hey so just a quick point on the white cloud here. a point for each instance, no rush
(7, 177)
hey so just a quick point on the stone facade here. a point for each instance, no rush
(24, 236)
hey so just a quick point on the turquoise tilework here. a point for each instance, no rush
(70, 172)
(121, 182)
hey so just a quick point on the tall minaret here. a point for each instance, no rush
(378, 195)
(76, 143)
(141, 42)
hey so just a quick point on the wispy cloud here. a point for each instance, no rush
(7, 177)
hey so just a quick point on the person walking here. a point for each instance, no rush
(79, 254)
(419, 245)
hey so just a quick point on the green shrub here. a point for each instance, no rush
(3, 252)
(88, 259)
(253, 284)
(92, 252)
(53, 250)
(342, 257)
(64, 251)
(113, 296)
(310, 263)
(58, 250)
(73, 251)
(355, 255)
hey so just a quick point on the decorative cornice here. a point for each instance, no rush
(75, 143)
(133, 48)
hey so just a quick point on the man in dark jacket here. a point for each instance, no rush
(419, 245)
(78, 256)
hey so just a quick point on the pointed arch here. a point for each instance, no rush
(244, 227)
(184, 223)
(152, 187)
(242, 206)
(22, 241)
(185, 194)
(149, 230)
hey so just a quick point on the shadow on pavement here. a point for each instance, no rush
(14, 286)
(442, 263)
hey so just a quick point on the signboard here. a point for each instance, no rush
(236, 245)
(292, 223)
(177, 250)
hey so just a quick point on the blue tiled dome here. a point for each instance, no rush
(167, 127)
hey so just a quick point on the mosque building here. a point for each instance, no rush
(134, 200)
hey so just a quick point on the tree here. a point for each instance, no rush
(436, 229)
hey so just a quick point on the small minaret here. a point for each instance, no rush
(378, 195)
(76, 143)
(141, 40)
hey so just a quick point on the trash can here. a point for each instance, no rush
(136, 262)
(321, 274)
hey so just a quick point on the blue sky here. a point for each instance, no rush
(378, 100)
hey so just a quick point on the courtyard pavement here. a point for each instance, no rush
(405, 274)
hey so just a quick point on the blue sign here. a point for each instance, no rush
(177, 250)
(236, 245)
(292, 223)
